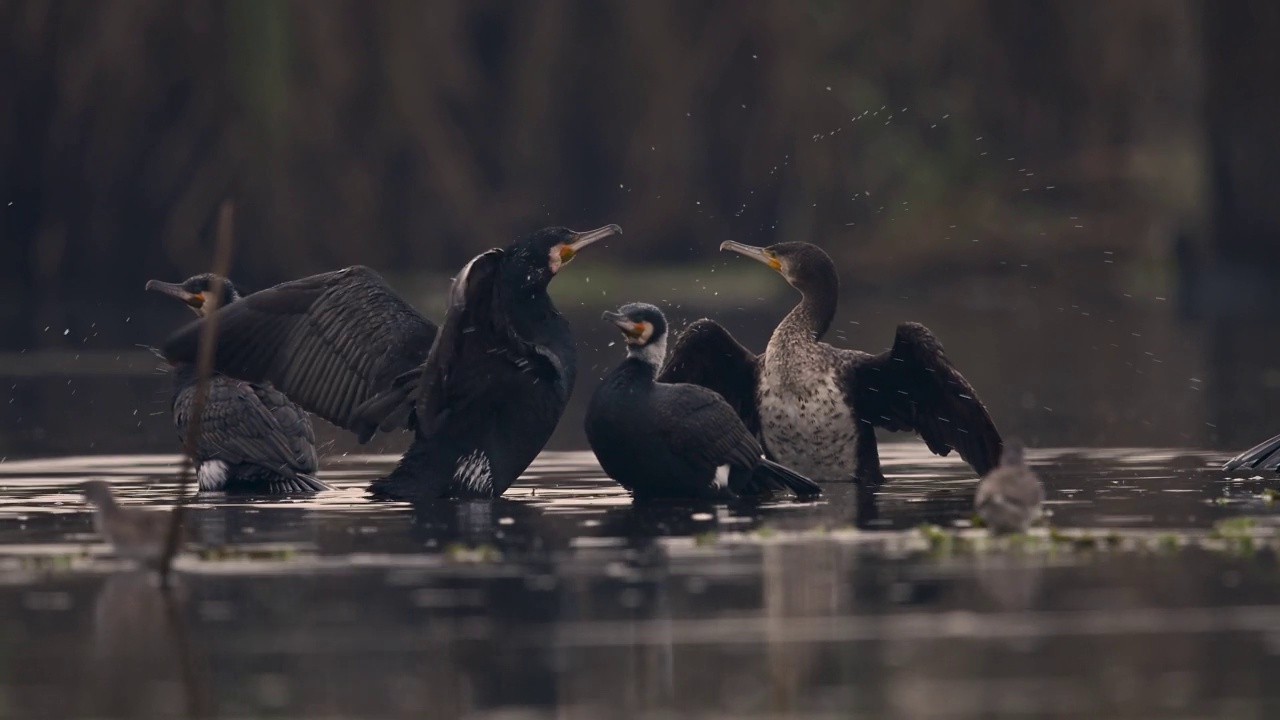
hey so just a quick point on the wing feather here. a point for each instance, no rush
(706, 354)
(332, 342)
(915, 387)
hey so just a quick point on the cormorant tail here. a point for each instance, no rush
(794, 481)
(1265, 456)
(310, 483)
(300, 483)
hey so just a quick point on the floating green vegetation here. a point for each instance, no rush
(227, 553)
(458, 552)
(1234, 528)
(706, 539)
(1235, 535)
(1270, 495)
(49, 563)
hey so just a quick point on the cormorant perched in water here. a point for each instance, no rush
(815, 406)
(482, 395)
(1009, 497)
(252, 438)
(661, 440)
(1265, 456)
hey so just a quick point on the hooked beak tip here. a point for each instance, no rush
(583, 239)
(176, 291)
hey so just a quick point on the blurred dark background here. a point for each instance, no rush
(1075, 195)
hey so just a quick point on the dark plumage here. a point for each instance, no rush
(482, 394)
(252, 439)
(815, 406)
(1265, 456)
(662, 440)
(1010, 496)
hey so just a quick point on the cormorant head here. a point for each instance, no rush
(644, 329)
(197, 291)
(541, 255)
(1013, 452)
(98, 493)
(807, 267)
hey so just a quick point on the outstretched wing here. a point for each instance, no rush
(1265, 456)
(706, 354)
(340, 344)
(914, 387)
(698, 424)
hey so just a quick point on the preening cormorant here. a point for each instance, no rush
(1264, 456)
(253, 439)
(815, 406)
(1009, 497)
(662, 440)
(482, 395)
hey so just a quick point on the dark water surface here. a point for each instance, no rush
(566, 600)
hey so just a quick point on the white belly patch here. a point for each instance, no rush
(212, 475)
(809, 428)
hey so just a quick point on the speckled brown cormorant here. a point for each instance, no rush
(1264, 456)
(662, 440)
(815, 406)
(253, 439)
(1009, 497)
(482, 395)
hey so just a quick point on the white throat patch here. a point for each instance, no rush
(653, 353)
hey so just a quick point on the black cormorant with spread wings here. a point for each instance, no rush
(661, 440)
(816, 407)
(1265, 456)
(482, 395)
(252, 438)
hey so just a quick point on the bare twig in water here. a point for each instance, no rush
(204, 369)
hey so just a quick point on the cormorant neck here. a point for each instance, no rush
(651, 355)
(816, 311)
(530, 307)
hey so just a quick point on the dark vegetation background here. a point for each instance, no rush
(1074, 194)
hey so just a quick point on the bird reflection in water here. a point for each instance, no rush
(143, 664)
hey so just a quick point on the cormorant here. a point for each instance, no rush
(662, 440)
(482, 395)
(1265, 456)
(135, 534)
(1009, 497)
(252, 438)
(816, 407)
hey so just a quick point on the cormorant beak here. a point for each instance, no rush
(759, 254)
(628, 328)
(580, 240)
(195, 300)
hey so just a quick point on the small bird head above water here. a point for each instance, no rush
(641, 323)
(541, 255)
(98, 493)
(807, 267)
(1013, 452)
(199, 291)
